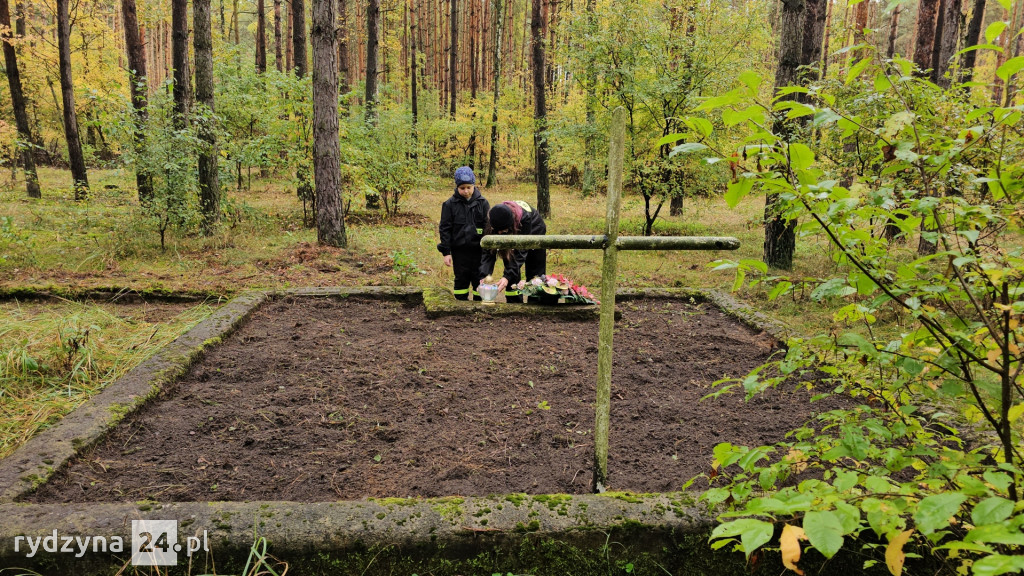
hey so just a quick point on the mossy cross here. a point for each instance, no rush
(610, 242)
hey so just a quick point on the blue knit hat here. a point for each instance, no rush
(464, 175)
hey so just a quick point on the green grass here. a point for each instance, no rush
(56, 356)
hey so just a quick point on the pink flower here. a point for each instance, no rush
(521, 285)
(537, 281)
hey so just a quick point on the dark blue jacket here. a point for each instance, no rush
(462, 222)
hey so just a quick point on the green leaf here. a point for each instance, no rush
(998, 564)
(882, 82)
(865, 285)
(780, 289)
(1011, 67)
(738, 190)
(800, 156)
(670, 139)
(877, 484)
(825, 532)
(979, 47)
(732, 117)
(857, 69)
(825, 117)
(714, 496)
(994, 30)
(933, 513)
(845, 479)
(796, 109)
(849, 516)
(687, 147)
(1000, 480)
(751, 80)
(991, 510)
(996, 534)
(755, 264)
(862, 344)
(753, 533)
(700, 125)
(831, 288)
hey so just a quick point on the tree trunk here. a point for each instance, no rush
(590, 84)
(278, 62)
(971, 38)
(372, 42)
(330, 221)
(472, 86)
(860, 23)
(492, 160)
(299, 37)
(137, 81)
(925, 42)
(209, 187)
(414, 89)
(20, 109)
(453, 58)
(540, 137)
(289, 57)
(814, 32)
(829, 28)
(940, 24)
(343, 85)
(261, 37)
(779, 233)
(179, 54)
(234, 22)
(946, 43)
(77, 160)
(894, 25)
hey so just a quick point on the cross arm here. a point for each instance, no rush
(599, 242)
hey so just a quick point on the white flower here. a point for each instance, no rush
(537, 281)
(552, 282)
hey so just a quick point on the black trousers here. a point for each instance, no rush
(466, 264)
(536, 265)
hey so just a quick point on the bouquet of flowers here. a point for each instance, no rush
(557, 286)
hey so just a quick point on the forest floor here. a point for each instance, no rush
(366, 398)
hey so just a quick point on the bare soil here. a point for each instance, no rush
(324, 399)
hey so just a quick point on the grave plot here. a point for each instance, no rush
(322, 399)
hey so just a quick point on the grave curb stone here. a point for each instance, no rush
(451, 527)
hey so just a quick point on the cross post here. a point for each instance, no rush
(610, 243)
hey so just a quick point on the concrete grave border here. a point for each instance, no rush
(450, 528)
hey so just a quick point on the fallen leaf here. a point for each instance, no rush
(790, 545)
(894, 555)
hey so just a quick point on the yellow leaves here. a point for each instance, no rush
(894, 555)
(789, 542)
(798, 460)
(993, 356)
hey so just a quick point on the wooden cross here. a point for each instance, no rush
(610, 242)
